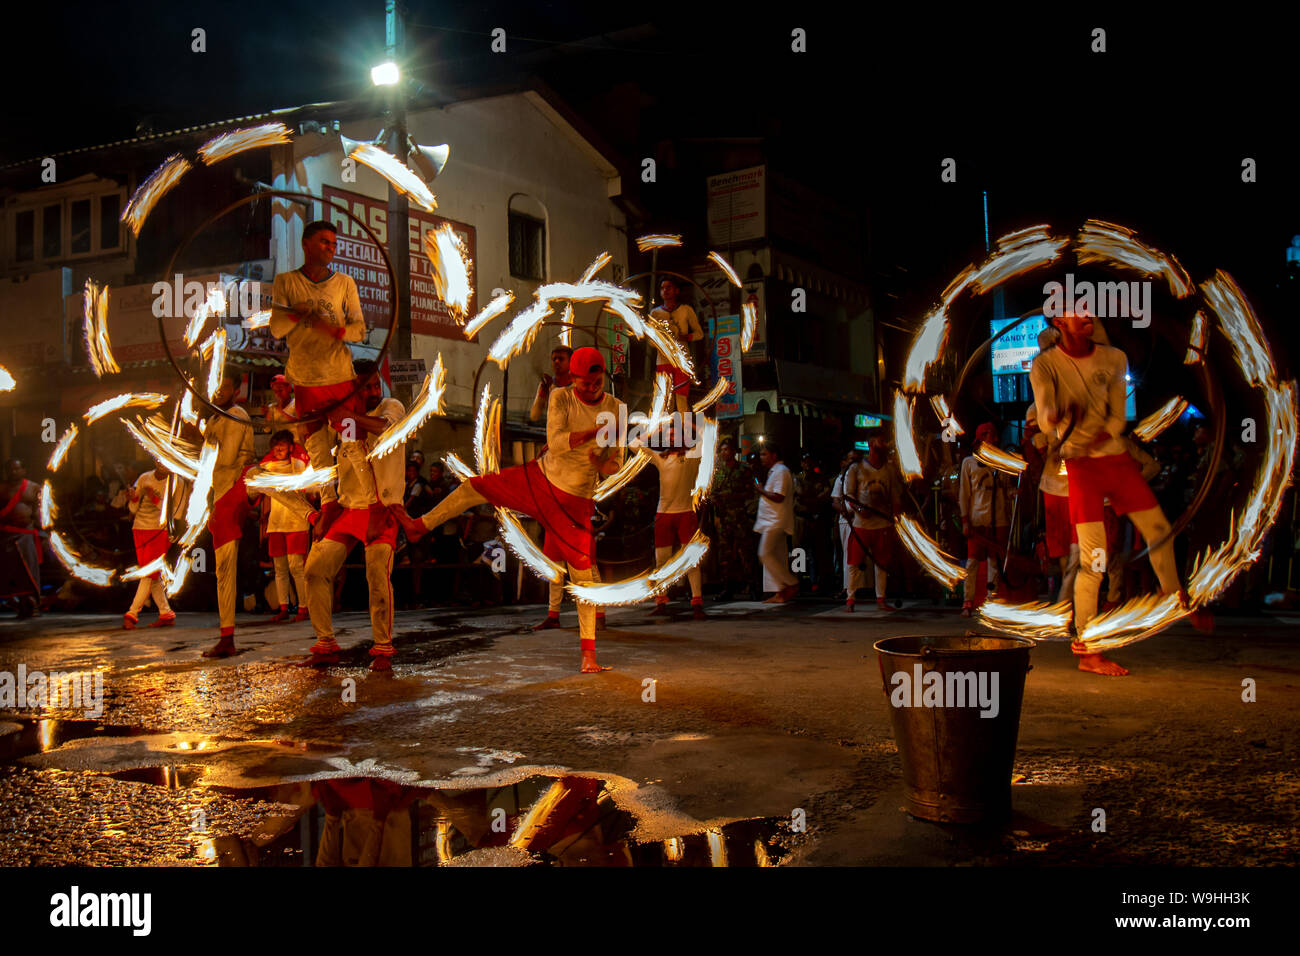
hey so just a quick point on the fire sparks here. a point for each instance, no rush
(61, 449)
(72, 561)
(1038, 620)
(196, 513)
(727, 270)
(1141, 617)
(396, 172)
(1159, 420)
(48, 510)
(487, 434)
(716, 392)
(909, 462)
(616, 481)
(941, 566)
(258, 320)
(163, 449)
(946, 418)
(231, 143)
(126, 400)
(94, 328)
(1196, 343)
(136, 572)
(489, 312)
(188, 414)
(657, 240)
(1017, 253)
(748, 330)
(566, 323)
(173, 581)
(1106, 242)
(926, 349)
(1007, 462)
(517, 540)
(519, 334)
(304, 480)
(644, 586)
(708, 439)
(214, 304)
(216, 343)
(160, 181)
(452, 269)
(428, 402)
(7, 382)
(457, 467)
(599, 263)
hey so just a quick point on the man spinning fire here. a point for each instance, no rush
(1079, 391)
(557, 488)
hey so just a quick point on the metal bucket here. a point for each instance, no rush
(956, 732)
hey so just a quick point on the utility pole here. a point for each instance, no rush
(399, 230)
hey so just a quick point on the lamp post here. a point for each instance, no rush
(399, 230)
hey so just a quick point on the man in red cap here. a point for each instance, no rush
(284, 408)
(557, 488)
(985, 518)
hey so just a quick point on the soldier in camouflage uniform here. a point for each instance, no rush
(734, 502)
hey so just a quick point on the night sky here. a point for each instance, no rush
(1150, 134)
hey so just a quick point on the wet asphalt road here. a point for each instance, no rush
(757, 714)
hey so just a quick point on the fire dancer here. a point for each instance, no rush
(1080, 390)
(985, 519)
(149, 529)
(284, 409)
(371, 496)
(685, 326)
(560, 358)
(324, 312)
(676, 521)
(287, 530)
(874, 490)
(230, 504)
(555, 489)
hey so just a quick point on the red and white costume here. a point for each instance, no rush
(675, 520)
(288, 532)
(982, 501)
(230, 504)
(1096, 384)
(364, 492)
(319, 365)
(880, 491)
(149, 529)
(682, 322)
(555, 489)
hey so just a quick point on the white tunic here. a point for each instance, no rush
(677, 475)
(314, 358)
(283, 518)
(1096, 383)
(380, 481)
(771, 516)
(234, 448)
(879, 489)
(148, 507)
(565, 467)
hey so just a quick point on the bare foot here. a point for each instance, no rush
(1097, 664)
(589, 665)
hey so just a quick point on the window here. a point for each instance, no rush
(74, 227)
(527, 247)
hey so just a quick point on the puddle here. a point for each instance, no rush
(543, 818)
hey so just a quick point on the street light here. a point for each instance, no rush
(385, 74)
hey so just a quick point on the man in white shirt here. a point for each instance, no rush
(323, 312)
(557, 488)
(985, 519)
(685, 327)
(230, 503)
(149, 529)
(675, 520)
(873, 489)
(560, 356)
(370, 494)
(1079, 391)
(775, 520)
(843, 513)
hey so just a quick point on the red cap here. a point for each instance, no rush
(586, 360)
(279, 380)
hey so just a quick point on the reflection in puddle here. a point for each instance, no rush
(551, 819)
(561, 821)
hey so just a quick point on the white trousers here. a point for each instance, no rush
(323, 566)
(291, 567)
(147, 587)
(1093, 560)
(775, 555)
